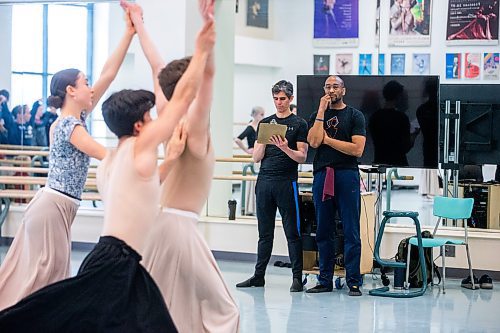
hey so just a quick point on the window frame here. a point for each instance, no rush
(45, 58)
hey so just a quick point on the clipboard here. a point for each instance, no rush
(267, 130)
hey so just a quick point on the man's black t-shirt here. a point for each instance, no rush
(276, 165)
(341, 125)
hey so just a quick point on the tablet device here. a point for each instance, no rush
(266, 131)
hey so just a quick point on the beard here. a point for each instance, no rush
(334, 99)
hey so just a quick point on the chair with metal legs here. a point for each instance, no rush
(447, 208)
(384, 291)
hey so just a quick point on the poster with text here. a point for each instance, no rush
(453, 65)
(381, 64)
(472, 22)
(398, 64)
(472, 65)
(421, 63)
(321, 64)
(365, 64)
(343, 63)
(258, 13)
(491, 69)
(410, 23)
(336, 23)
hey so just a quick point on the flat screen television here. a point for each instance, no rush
(402, 127)
(479, 141)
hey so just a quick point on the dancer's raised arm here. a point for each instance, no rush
(149, 49)
(114, 62)
(160, 131)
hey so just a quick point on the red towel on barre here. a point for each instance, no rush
(329, 185)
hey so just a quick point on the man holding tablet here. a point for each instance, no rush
(277, 186)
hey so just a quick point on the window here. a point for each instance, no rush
(46, 39)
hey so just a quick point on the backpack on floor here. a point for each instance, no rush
(415, 275)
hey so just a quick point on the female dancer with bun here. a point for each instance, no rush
(40, 252)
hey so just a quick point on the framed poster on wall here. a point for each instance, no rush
(453, 65)
(381, 64)
(421, 63)
(258, 13)
(343, 63)
(321, 64)
(472, 22)
(365, 64)
(336, 23)
(398, 64)
(491, 69)
(472, 66)
(410, 23)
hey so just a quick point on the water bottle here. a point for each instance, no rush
(231, 204)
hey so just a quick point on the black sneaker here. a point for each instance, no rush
(355, 291)
(485, 282)
(296, 285)
(467, 283)
(254, 281)
(319, 288)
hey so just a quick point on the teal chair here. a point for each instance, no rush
(447, 208)
(384, 291)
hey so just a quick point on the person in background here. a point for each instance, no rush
(48, 118)
(277, 187)
(338, 132)
(9, 121)
(390, 127)
(38, 124)
(293, 109)
(3, 132)
(4, 99)
(22, 129)
(427, 116)
(250, 131)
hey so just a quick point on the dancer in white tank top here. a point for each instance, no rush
(176, 254)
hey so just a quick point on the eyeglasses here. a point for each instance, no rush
(334, 86)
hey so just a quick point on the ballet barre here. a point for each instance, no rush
(92, 170)
(234, 159)
(302, 174)
(301, 180)
(20, 147)
(29, 194)
(4, 161)
(27, 180)
(20, 152)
